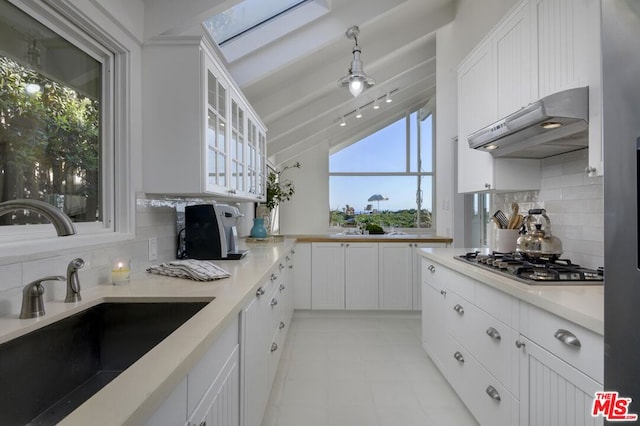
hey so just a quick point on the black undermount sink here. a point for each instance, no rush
(48, 373)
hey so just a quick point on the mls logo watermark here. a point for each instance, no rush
(612, 407)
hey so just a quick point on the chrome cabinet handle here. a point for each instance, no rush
(459, 309)
(293, 251)
(274, 301)
(260, 292)
(493, 333)
(290, 266)
(431, 268)
(287, 258)
(281, 326)
(458, 356)
(273, 277)
(567, 337)
(590, 170)
(282, 287)
(520, 344)
(493, 393)
(443, 292)
(281, 266)
(274, 347)
(487, 185)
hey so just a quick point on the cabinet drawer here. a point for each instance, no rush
(441, 277)
(574, 344)
(499, 305)
(489, 340)
(488, 400)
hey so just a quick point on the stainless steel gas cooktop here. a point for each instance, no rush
(535, 271)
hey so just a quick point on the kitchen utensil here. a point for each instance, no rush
(513, 220)
(538, 243)
(501, 218)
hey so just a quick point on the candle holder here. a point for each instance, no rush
(120, 271)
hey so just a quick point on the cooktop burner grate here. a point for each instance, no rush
(552, 271)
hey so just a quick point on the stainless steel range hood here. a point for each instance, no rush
(553, 125)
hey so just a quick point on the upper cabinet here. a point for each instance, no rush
(539, 48)
(200, 135)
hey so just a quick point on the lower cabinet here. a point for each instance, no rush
(364, 275)
(265, 323)
(344, 276)
(552, 391)
(210, 393)
(510, 362)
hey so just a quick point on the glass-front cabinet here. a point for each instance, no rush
(200, 134)
(217, 153)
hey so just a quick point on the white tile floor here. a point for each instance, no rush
(360, 369)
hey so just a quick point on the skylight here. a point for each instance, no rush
(244, 16)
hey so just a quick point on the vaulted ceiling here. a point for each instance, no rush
(288, 69)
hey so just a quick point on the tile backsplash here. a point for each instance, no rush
(574, 203)
(155, 217)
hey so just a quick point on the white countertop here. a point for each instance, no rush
(583, 305)
(136, 393)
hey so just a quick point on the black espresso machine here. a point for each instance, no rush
(210, 232)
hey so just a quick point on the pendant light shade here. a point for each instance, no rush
(357, 81)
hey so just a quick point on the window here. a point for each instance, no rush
(244, 16)
(387, 178)
(54, 118)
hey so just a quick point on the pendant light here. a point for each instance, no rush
(356, 80)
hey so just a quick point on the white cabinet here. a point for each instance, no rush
(561, 368)
(302, 276)
(478, 107)
(265, 323)
(344, 276)
(509, 361)
(196, 123)
(327, 275)
(211, 390)
(361, 275)
(539, 48)
(396, 275)
(434, 295)
(552, 391)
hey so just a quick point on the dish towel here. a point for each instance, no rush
(199, 270)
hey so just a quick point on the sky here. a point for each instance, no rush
(384, 151)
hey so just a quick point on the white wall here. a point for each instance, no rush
(308, 211)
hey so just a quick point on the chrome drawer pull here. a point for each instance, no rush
(281, 326)
(281, 287)
(273, 277)
(567, 337)
(493, 393)
(274, 347)
(281, 266)
(290, 266)
(458, 356)
(287, 258)
(443, 292)
(520, 344)
(431, 268)
(493, 333)
(459, 309)
(274, 301)
(260, 292)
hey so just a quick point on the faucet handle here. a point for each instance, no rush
(32, 303)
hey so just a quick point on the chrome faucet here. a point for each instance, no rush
(63, 224)
(32, 302)
(73, 281)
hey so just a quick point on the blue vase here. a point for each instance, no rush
(258, 230)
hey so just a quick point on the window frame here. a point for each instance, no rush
(118, 202)
(426, 110)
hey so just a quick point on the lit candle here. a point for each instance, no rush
(120, 271)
